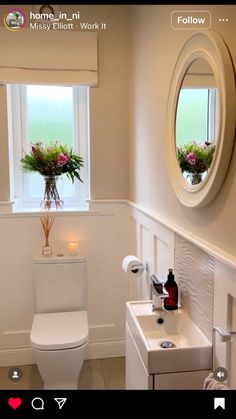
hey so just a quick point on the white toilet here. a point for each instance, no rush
(59, 334)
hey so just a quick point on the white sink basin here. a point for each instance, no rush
(191, 351)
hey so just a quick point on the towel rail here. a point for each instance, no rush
(226, 337)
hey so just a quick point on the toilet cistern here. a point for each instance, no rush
(159, 292)
(59, 333)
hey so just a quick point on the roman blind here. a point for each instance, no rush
(48, 57)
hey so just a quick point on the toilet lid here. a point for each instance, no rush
(59, 330)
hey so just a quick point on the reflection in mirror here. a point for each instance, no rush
(197, 117)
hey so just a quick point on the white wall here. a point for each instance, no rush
(108, 236)
(225, 318)
(109, 102)
(104, 237)
(104, 241)
(207, 286)
(155, 50)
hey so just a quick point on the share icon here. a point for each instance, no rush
(60, 401)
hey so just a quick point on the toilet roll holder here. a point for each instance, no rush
(140, 267)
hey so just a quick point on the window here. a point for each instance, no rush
(196, 117)
(47, 113)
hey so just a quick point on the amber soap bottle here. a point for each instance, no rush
(171, 302)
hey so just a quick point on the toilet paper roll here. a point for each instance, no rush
(132, 265)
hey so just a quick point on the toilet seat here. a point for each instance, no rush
(52, 331)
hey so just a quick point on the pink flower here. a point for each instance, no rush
(191, 157)
(62, 159)
(33, 149)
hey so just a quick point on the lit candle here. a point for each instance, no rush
(73, 248)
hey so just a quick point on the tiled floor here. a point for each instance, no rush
(107, 373)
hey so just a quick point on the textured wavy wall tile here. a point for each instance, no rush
(194, 271)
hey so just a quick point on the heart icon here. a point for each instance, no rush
(14, 402)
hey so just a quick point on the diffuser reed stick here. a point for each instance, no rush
(47, 223)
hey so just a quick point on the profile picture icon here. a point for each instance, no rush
(14, 20)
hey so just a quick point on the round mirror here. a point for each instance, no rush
(196, 126)
(200, 119)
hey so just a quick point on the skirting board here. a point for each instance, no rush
(106, 349)
(96, 350)
(16, 356)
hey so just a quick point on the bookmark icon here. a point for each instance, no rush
(60, 401)
(219, 402)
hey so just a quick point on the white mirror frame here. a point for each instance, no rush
(211, 47)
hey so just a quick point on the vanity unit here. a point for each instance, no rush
(164, 349)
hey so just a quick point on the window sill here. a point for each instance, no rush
(65, 212)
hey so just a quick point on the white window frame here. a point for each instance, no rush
(17, 121)
(212, 111)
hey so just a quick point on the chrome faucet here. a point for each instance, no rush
(159, 293)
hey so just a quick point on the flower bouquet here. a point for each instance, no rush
(52, 161)
(195, 159)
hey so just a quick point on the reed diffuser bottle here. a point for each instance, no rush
(47, 223)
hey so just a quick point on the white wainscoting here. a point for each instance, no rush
(107, 233)
(193, 268)
(104, 239)
(206, 276)
(155, 245)
(225, 318)
(105, 341)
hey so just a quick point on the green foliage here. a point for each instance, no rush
(194, 157)
(53, 160)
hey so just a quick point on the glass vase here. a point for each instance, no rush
(195, 178)
(51, 200)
